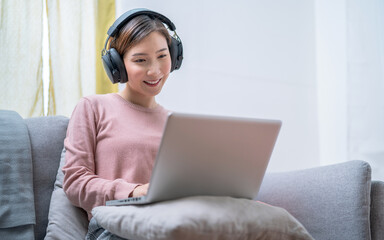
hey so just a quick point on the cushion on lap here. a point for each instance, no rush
(202, 217)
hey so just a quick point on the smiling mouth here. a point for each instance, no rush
(153, 83)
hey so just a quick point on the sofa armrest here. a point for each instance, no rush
(377, 210)
(332, 202)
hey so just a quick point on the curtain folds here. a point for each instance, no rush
(76, 32)
(73, 36)
(21, 28)
(71, 44)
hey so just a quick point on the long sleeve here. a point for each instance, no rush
(82, 185)
(111, 148)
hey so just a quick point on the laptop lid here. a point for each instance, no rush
(211, 155)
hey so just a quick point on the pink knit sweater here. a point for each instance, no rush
(111, 147)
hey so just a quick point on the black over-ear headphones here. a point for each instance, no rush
(113, 62)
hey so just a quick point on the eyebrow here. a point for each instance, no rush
(139, 54)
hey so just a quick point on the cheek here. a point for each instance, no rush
(166, 67)
(133, 71)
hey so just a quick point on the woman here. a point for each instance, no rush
(112, 139)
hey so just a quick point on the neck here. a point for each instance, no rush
(133, 97)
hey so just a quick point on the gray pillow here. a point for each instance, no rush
(201, 218)
(65, 221)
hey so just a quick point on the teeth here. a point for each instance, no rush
(153, 82)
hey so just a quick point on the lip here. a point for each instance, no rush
(152, 83)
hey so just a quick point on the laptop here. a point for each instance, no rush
(202, 155)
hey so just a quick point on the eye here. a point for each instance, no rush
(139, 60)
(163, 56)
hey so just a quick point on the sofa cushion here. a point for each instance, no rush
(377, 210)
(332, 202)
(65, 221)
(47, 140)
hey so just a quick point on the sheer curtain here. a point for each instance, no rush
(76, 29)
(75, 50)
(21, 58)
(72, 55)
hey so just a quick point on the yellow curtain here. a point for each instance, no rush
(105, 18)
(21, 57)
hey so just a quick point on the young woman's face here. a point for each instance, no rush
(148, 65)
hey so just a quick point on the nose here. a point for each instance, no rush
(154, 69)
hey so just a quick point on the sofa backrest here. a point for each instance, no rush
(332, 202)
(47, 141)
(377, 210)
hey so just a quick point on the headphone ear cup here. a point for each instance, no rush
(114, 66)
(118, 62)
(176, 52)
(108, 66)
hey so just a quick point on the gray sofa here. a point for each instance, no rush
(333, 202)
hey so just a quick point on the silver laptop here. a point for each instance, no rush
(209, 155)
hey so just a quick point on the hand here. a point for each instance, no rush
(140, 190)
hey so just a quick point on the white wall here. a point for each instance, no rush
(350, 75)
(250, 59)
(365, 58)
(331, 57)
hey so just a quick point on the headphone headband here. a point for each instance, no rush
(126, 17)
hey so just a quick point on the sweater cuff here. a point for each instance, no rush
(124, 190)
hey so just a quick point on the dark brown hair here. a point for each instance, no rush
(136, 30)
